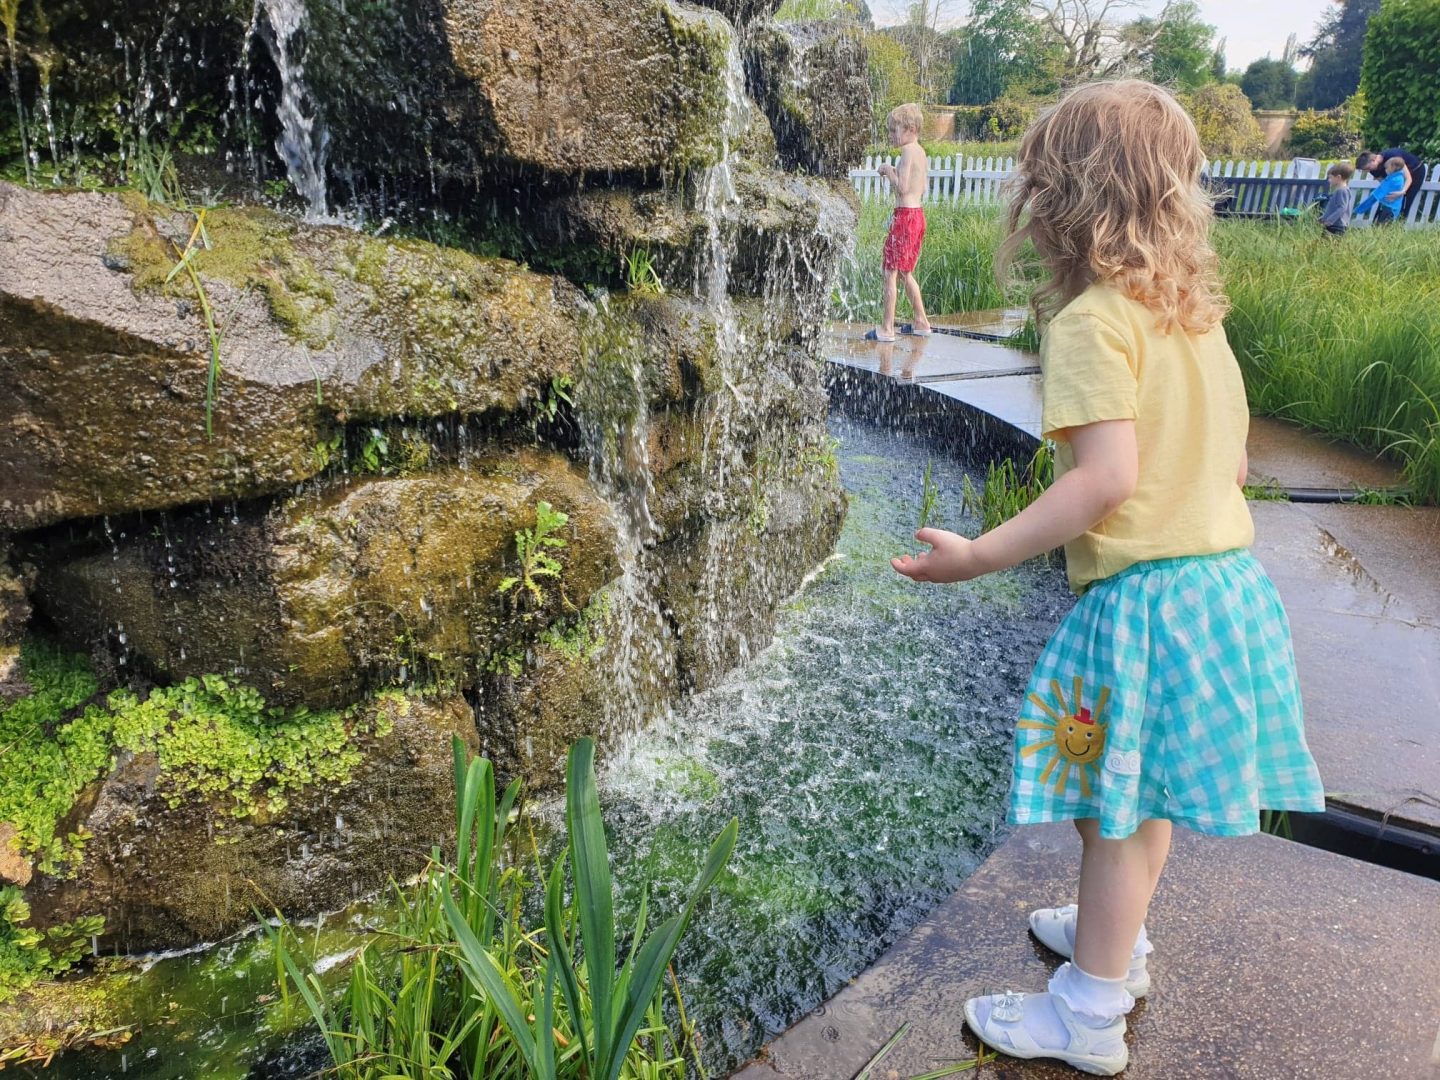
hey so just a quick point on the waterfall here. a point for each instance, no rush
(304, 141)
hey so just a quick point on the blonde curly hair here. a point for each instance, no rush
(1108, 190)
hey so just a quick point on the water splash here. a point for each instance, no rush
(304, 140)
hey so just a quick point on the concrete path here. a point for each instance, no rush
(1274, 961)
(1288, 457)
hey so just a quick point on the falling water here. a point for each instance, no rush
(722, 452)
(304, 141)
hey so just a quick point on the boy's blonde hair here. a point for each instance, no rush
(1108, 190)
(908, 116)
(1342, 169)
(1394, 164)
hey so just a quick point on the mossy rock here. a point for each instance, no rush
(594, 86)
(786, 235)
(168, 873)
(104, 364)
(593, 677)
(812, 81)
(362, 583)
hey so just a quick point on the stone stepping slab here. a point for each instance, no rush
(1272, 960)
(925, 359)
(994, 324)
(1286, 456)
(1361, 586)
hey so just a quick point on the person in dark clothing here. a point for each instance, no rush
(1374, 164)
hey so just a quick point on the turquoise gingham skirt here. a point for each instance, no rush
(1169, 691)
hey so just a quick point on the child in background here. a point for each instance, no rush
(1386, 198)
(907, 225)
(1336, 215)
(1168, 694)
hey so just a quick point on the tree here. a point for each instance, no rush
(1002, 50)
(1173, 48)
(1217, 61)
(1090, 42)
(892, 75)
(1335, 54)
(932, 48)
(1269, 84)
(1402, 51)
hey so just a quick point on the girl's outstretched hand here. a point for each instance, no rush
(950, 558)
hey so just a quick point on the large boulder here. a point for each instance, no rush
(104, 364)
(595, 86)
(780, 237)
(812, 80)
(168, 872)
(363, 583)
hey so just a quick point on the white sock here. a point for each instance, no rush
(1096, 1002)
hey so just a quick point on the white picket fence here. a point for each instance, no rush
(956, 179)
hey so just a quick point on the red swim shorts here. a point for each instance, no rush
(902, 246)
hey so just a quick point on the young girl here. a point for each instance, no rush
(1168, 694)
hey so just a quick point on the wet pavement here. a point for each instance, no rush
(1361, 585)
(938, 357)
(1273, 961)
(995, 324)
(1286, 456)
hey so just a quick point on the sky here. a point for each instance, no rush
(1252, 29)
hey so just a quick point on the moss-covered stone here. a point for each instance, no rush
(361, 584)
(813, 82)
(103, 363)
(15, 586)
(170, 873)
(783, 239)
(594, 86)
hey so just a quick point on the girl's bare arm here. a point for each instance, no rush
(1106, 468)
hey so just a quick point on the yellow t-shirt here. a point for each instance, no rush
(1103, 359)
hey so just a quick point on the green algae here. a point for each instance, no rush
(211, 739)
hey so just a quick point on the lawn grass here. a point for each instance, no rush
(1338, 334)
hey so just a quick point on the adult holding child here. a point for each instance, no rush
(1375, 164)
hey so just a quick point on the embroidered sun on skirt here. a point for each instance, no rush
(1169, 691)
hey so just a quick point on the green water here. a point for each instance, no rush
(865, 752)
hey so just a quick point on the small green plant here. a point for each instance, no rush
(929, 493)
(1276, 823)
(558, 394)
(533, 547)
(640, 273)
(152, 170)
(1269, 491)
(373, 452)
(1009, 490)
(1368, 496)
(28, 955)
(213, 740)
(464, 987)
(185, 260)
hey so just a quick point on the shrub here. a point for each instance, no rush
(1402, 51)
(1223, 117)
(1328, 134)
(892, 79)
(1007, 118)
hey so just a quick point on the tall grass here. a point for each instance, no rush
(1338, 334)
(463, 987)
(1342, 334)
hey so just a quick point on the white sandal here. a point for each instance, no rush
(1055, 929)
(1100, 1051)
